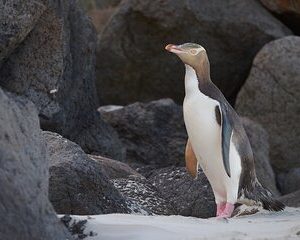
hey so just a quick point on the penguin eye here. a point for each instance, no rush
(193, 52)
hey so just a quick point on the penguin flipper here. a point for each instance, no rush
(191, 161)
(226, 127)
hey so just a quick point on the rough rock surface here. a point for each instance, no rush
(77, 184)
(115, 169)
(288, 11)
(132, 64)
(281, 6)
(292, 199)
(190, 197)
(153, 133)
(290, 181)
(142, 197)
(259, 141)
(26, 212)
(98, 4)
(271, 96)
(17, 19)
(54, 66)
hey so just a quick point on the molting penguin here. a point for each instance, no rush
(217, 140)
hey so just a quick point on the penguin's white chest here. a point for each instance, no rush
(204, 132)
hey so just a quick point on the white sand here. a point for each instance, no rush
(266, 225)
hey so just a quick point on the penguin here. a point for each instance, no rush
(217, 141)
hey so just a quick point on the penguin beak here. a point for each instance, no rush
(173, 48)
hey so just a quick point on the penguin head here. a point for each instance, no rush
(189, 53)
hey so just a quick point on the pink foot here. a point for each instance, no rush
(227, 212)
(220, 208)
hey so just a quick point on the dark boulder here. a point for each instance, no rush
(78, 184)
(98, 4)
(288, 11)
(132, 64)
(25, 211)
(289, 181)
(17, 19)
(271, 97)
(100, 11)
(291, 199)
(190, 197)
(115, 169)
(54, 66)
(142, 197)
(153, 133)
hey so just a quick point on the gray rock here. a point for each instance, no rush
(291, 199)
(190, 197)
(132, 64)
(142, 197)
(271, 97)
(259, 141)
(115, 169)
(290, 181)
(26, 212)
(17, 19)
(281, 6)
(98, 4)
(153, 133)
(287, 11)
(78, 184)
(145, 170)
(107, 3)
(54, 66)
(99, 12)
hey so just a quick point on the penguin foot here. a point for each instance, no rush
(227, 211)
(220, 208)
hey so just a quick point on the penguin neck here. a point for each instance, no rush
(203, 71)
(194, 78)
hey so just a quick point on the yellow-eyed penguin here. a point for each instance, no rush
(217, 139)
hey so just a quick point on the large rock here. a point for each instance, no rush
(292, 199)
(190, 197)
(142, 197)
(289, 181)
(78, 184)
(100, 11)
(288, 11)
(24, 206)
(17, 19)
(259, 141)
(133, 65)
(153, 133)
(98, 4)
(115, 169)
(271, 97)
(54, 66)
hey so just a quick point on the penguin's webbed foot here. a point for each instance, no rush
(227, 210)
(220, 208)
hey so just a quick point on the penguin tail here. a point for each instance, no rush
(264, 196)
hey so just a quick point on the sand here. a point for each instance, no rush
(262, 225)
